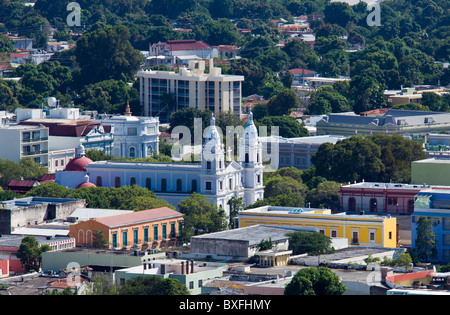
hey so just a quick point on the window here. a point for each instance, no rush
(148, 183)
(208, 185)
(180, 227)
(145, 234)
(132, 131)
(194, 185)
(132, 181)
(208, 165)
(179, 184)
(220, 185)
(125, 238)
(117, 182)
(114, 240)
(231, 183)
(247, 159)
(135, 236)
(333, 233)
(164, 231)
(191, 285)
(155, 233)
(163, 184)
(172, 229)
(98, 181)
(56, 163)
(390, 235)
(132, 152)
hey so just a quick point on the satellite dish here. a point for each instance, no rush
(51, 101)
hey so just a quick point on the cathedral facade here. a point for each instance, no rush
(218, 177)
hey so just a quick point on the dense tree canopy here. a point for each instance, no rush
(315, 281)
(378, 158)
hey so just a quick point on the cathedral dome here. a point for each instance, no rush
(250, 131)
(88, 184)
(80, 162)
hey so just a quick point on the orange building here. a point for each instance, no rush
(140, 230)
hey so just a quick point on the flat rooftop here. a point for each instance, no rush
(16, 240)
(386, 185)
(310, 212)
(34, 201)
(253, 234)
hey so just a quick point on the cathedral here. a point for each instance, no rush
(218, 177)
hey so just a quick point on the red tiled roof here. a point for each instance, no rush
(46, 178)
(22, 186)
(411, 276)
(74, 128)
(19, 55)
(139, 216)
(21, 183)
(186, 44)
(303, 71)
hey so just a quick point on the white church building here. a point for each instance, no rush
(134, 137)
(218, 177)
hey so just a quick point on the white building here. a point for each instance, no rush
(217, 178)
(134, 137)
(17, 142)
(191, 87)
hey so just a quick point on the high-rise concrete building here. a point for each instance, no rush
(164, 92)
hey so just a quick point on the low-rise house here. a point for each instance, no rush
(152, 228)
(23, 212)
(434, 204)
(295, 152)
(383, 198)
(191, 274)
(237, 244)
(361, 230)
(10, 244)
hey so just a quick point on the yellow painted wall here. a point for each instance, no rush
(381, 226)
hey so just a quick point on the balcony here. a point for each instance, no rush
(36, 139)
(35, 152)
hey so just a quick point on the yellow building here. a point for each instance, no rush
(362, 230)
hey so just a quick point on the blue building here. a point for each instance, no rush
(434, 204)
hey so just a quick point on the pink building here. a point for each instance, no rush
(384, 198)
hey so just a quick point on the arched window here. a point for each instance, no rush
(194, 185)
(117, 182)
(351, 204)
(247, 159)
(208, 165)
(163, 184)
(179, 184)
(132, 181)
(98, 181)
(132, 152)
(148, 183)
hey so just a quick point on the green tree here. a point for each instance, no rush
(107, 54)
(30, 253)
(325, 195)
(99, 240)
(200, 216)
(315, 281)
(153, 285)
(236, 205)
(424, 245)
(281, 103)
(311, 243)
(288, 126)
